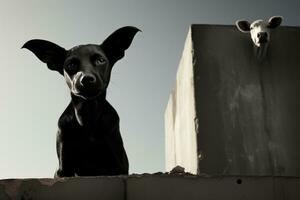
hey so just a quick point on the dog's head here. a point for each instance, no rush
(86, 68)
(259, 29)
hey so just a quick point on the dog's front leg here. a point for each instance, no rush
(65, 157)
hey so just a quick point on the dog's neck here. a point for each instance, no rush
(261, 52)
(88, 111)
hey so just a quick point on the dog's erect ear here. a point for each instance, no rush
(243, 25)
(115, 45)
(48, 52)
(275, 21)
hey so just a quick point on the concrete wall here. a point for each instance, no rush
(246, 112)
(152, 187)
(181, 148)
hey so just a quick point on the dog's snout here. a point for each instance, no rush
(262, 35)
(87, 79)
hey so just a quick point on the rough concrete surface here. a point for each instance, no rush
(104, 188)
(213, 188)
(245, 111)
(153, 187)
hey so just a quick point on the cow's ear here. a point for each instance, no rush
(243, 25)
(275, 21)
(115, 45)
(48, 52)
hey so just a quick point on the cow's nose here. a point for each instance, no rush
(262, 35)
(87, 79)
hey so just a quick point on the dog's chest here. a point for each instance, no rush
(96, 138)
(95, 151)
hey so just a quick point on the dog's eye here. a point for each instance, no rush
(99, 61)
(71, 67)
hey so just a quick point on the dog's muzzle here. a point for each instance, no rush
(262, 37)
(87, 86)
(87, 80)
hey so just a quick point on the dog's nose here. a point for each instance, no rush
(87, 79)
(262, 35)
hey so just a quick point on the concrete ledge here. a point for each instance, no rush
(104, 188)
(154, 187)
(230, 113)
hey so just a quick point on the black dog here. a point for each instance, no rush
(88, 140)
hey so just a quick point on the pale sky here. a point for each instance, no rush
(33, 97)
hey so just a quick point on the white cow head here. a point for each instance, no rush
(259, 29)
